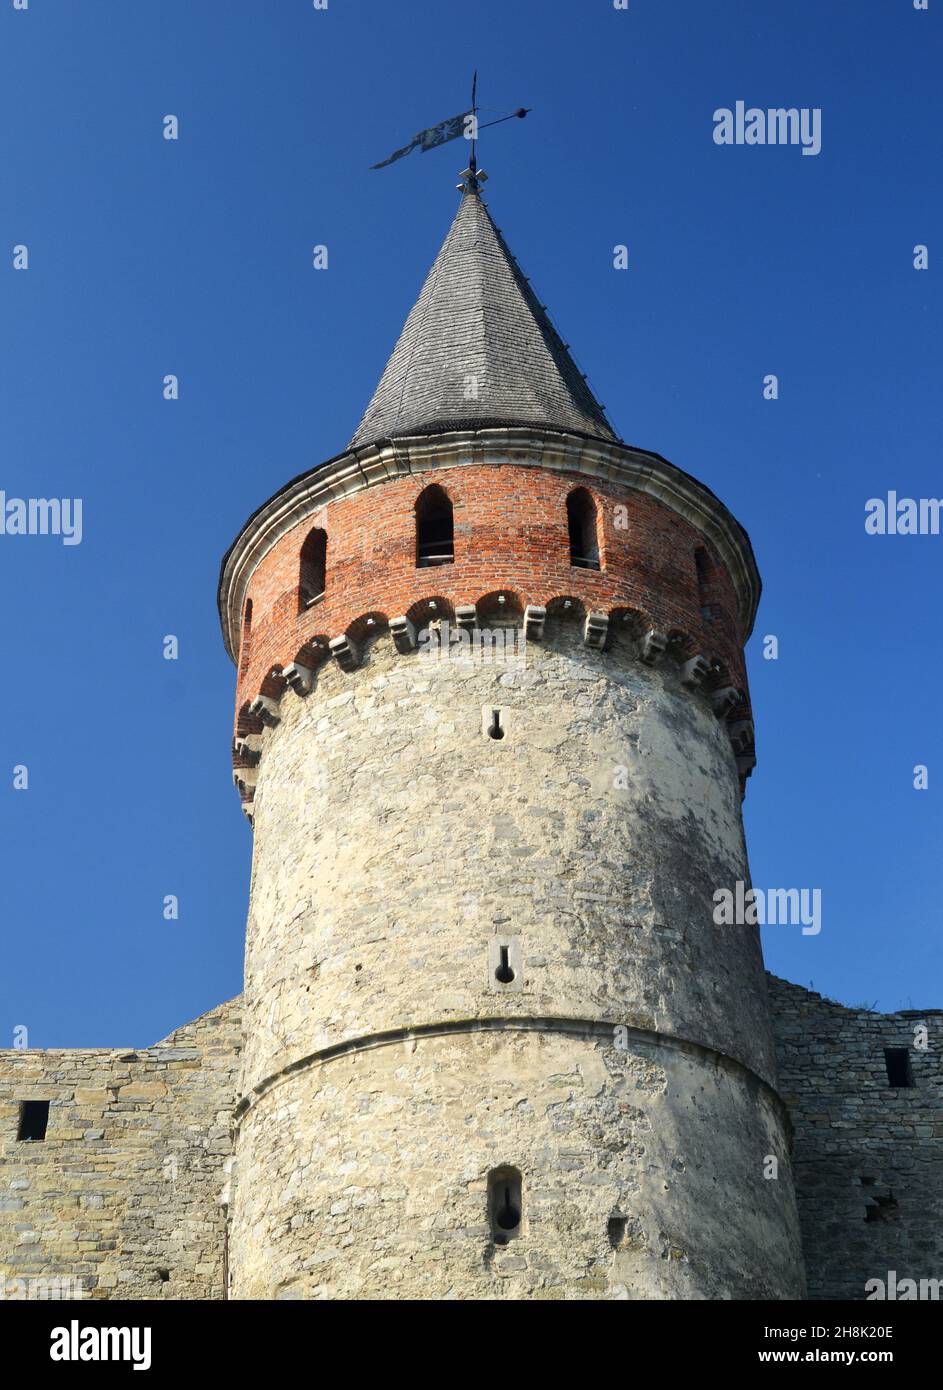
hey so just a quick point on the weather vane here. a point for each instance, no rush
(464, 124)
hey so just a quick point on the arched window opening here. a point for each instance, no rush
(313, 570)
(435, 529)
(581, 523)
(704, 576)
(505, 1207)
(244, 634)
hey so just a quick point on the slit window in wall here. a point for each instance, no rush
(312, 576)
(899, 1071)
(34, 1117)
(505, 1208)
(583, 529)
(435, 528)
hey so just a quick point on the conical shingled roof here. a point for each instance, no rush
(477, 323)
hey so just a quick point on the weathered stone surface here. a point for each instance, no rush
(365, 1176)
(384, 1077)
(862, 1146)
(127, 1182)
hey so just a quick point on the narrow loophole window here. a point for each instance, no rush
(583, 531)
(435, 528)
(34, 1117)
(899, 1071)
(504, 1204)
(504, 973)
(495, 729)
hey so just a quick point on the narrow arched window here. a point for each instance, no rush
(582, 526)
(312, 575)
(704, 576)
(245, 634)
(435, 529)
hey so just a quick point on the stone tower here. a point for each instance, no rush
(492, 733)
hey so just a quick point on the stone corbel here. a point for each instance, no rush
(595, 629)
(742, 735)
(403, 633)
(265, 709)
(244, 779)
(345, 653)
(695, 672)
(535, 615)
(652, 647)
(723, 701)
(243, 749)
(300, 678)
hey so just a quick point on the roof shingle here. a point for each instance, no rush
(478, 349)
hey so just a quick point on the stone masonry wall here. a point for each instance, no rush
(397, 848)
(862, 1148)
(366, 1173)
(123, 1194)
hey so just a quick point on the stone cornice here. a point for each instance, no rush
(357, 469)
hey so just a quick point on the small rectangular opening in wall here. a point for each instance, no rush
(881, 1208)
(34, 1117)
(899, 1071)
(616, 1230)
(504, 1204)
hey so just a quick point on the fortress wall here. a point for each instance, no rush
(128, 1179)
(862, 1146)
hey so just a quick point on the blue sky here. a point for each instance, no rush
(194, 257)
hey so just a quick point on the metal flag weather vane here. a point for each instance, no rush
(466, 124)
